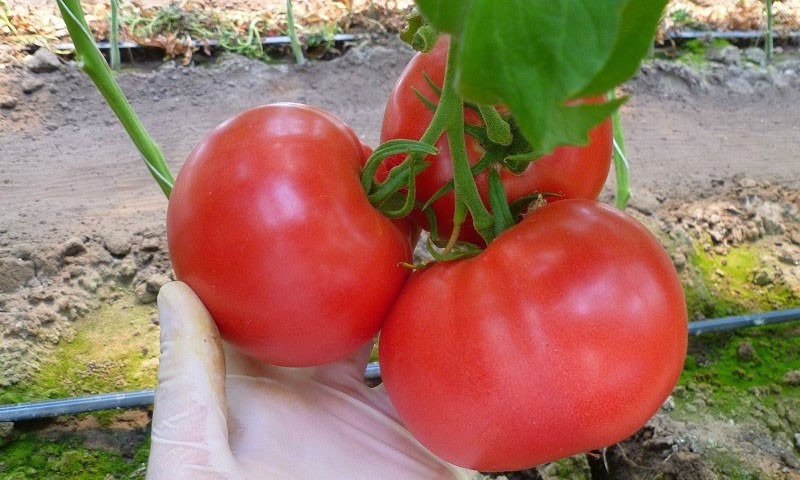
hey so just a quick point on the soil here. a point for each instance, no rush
(81, 216)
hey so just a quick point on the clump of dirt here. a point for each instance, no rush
(730, 74)
(670, 448)
(763, 216)
(49, 286)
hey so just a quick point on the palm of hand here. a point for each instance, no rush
(263, 422)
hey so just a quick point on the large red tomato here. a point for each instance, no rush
(571, 172)
(268, 223)
(565, 335)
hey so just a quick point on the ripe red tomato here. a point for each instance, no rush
(565, 335)
(269, 224)
(572, 172)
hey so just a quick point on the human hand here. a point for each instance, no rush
(221, 415)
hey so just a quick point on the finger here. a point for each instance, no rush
(189, 433)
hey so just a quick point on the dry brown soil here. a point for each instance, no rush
(68, 168)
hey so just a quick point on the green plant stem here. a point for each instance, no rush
(448, 118)
(497, 129)
(95, 66)
(621, 166)
(114, 36)
(465, 189)
(296, 49)
(769, 40)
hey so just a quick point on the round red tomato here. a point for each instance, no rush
(569, 171)
(269, 225)
(565, 335)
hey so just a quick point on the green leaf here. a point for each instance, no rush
(638, 21)
(536, 55)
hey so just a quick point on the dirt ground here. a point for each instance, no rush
(73, 185)
(69, 168)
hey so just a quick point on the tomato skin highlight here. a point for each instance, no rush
(269, 225)
(565, 335)
(569, 171)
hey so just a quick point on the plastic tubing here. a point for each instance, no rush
(275, 40)
(19, 412)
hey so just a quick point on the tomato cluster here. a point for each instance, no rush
(564, 335)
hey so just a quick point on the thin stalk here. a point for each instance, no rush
(447, 118)
(436, 128)
(95, 66)
(114, 36)
(465, 189)
(769, 46)
(296, 49)
(497, 129)
(621, 165)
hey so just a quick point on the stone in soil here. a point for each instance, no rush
(117, 244)
(7, 102)
(728, 55)
(756, 55)
(644, 201)
(792, 378)
(43, 61)
(16, 273)
(746, 352)
(31, 85)
(72, 247)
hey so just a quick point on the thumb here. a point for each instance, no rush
(189, 432)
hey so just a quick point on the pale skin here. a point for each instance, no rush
(220, 415)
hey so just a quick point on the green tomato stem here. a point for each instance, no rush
(95, 66)
(497, 129)
(296, 49)
(465, 189)
(448, 118)
(768, 45)
(114, 35)
(621, 165)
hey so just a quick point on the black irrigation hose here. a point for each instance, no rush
(70, 406)
(142, 398)
(743, 321)
(276, 40)
(732, 34)
(346, 37)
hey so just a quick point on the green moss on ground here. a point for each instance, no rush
(733, 468)
(740, 375)
(115, 349)
(33, 457)
(719, 286)
(695, 52)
